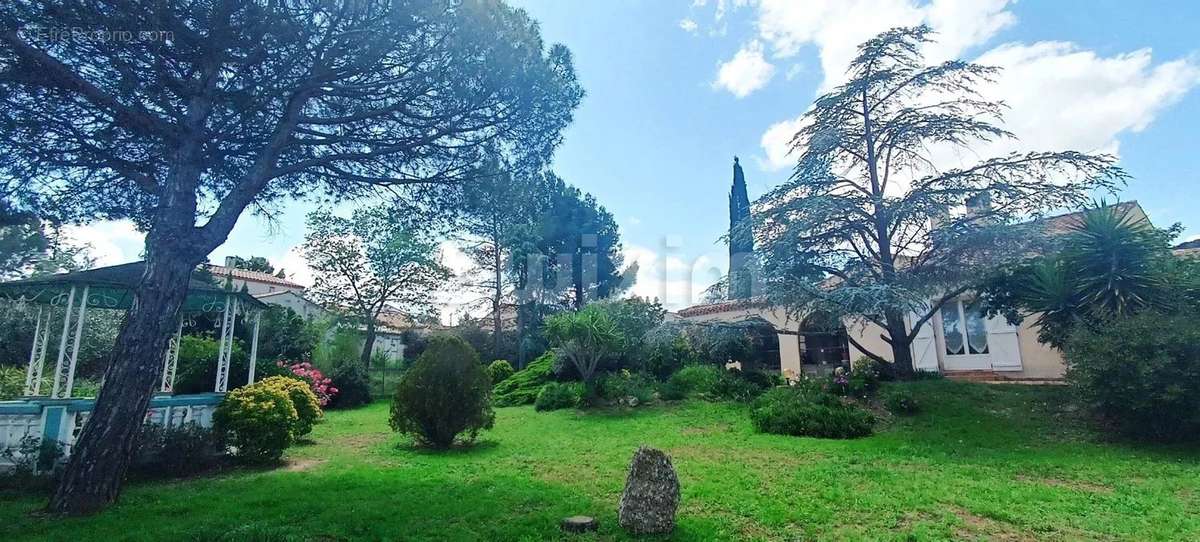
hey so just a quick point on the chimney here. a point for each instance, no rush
(230, 261)
(979, 205)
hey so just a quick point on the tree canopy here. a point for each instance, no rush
(873, 226)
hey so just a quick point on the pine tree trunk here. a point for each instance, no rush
(101, 456)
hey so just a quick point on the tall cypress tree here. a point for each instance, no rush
(741, 237)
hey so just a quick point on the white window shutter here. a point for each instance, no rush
(1003, 344)
(924, 346)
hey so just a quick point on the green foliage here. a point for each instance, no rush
(499, 370)
(860, 381)
(1142, 374)
(627, 388)
(12, 382)
(1111, 265)
(32, 463)
(308, 408)
(282, 334)
(901, 401)
(197, 368)
(176, 451)
(807, 411)
(696, 379)
(635, 318)
(735, 385)
(667, 351)
(353, 385)
(445, 396)
(584, 338)
(523, 386)
(258, 420)
(557, 396)
(342, 345)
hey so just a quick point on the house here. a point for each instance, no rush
(282, 292)
(957, 339)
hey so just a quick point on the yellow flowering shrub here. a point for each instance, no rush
(308, 408)
(259, 421)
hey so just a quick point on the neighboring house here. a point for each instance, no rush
(508, 318)
(959, 338)
(296, 301)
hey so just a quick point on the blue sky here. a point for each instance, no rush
(676, 89)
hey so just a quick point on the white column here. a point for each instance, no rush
(33, 373)
(79, 323)
(226, 347)
(60, 367)
(253, 348)
(171, 360)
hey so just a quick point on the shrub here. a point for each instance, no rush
(175, 451)
(12, 383)
(308, 409)
(627, 388)
(860, 381)
(672, 390)
(499, 370)
(696, 379)
(445, 394)
(523, 386)
(805, 410)
(735, 385)
(557, 396)
(900, 401)
(584, 338)
(258, 420)
(1142, 374)
(197, 368)
(353, 386)
(32, 463)
(321, 386)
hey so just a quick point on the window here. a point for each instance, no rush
(964, 328)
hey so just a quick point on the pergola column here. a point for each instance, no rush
(228, 318)
(64, 370)
(253, 348)
(37, 353)
(171, 360)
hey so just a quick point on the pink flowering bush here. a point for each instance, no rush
(321, 385)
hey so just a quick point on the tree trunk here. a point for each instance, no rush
(368, 346)
(101, 456)
(901, 352)
(499, 289)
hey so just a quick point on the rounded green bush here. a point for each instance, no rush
(353, 385)
(308, 407)
(258, 420)
(557, 396)
(807, 411)
(445, 396)
(500, 370)
(695, 379)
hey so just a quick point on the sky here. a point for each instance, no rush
(676, 89)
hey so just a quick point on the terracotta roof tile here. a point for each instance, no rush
(221, 271)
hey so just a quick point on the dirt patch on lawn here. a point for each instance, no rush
(301, 465)
(979, 527)
(706, 430)
(1077, 485)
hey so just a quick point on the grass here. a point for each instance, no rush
(979, 462)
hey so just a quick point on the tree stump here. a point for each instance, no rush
(579, 524)
(651, 494)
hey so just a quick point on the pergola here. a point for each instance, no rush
(112, 288)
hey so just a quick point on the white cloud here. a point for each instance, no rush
(295, 266)
(746, 72)
(674, 281)
(836, 27)
(110, 242)
(1060, 96)
(688, 26)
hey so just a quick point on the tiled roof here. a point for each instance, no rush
(250, 276)
(722, 306)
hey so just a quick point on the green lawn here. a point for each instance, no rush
(982, 462)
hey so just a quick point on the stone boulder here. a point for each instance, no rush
(651, 494)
